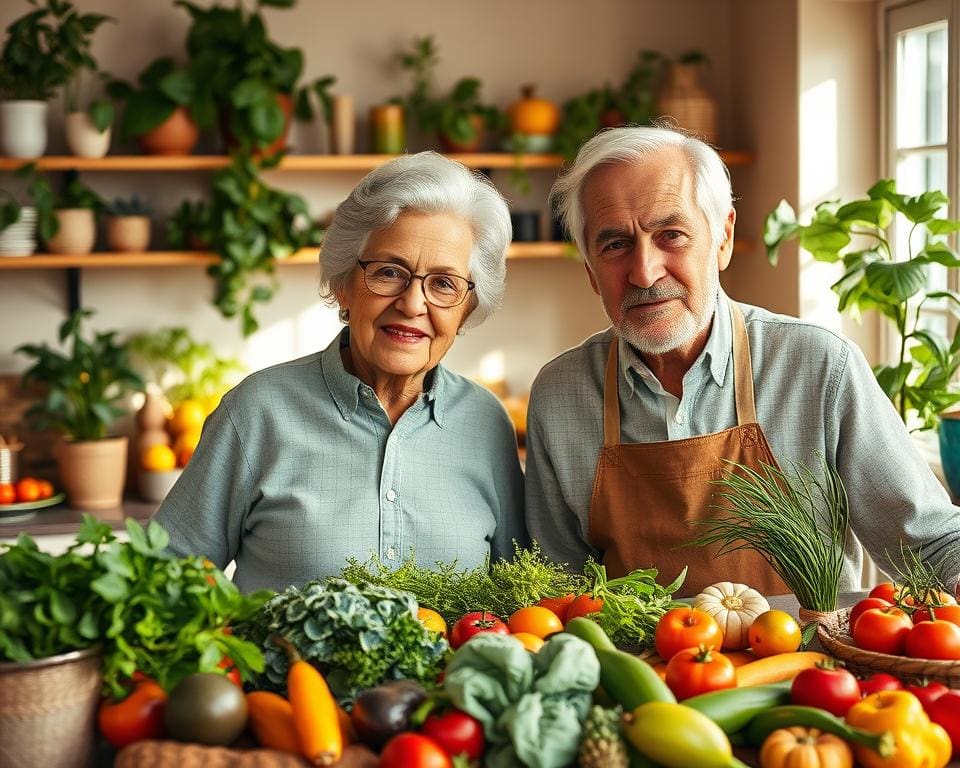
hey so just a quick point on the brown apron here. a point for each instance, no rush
(646, 495)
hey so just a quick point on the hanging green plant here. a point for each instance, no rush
(251, 226)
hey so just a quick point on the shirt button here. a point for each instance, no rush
(391, 495)
(391, 553)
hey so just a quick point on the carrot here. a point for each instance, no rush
(773, 669)
(315, 715)
(271, 720)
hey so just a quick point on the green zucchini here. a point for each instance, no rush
(733, 708)
(810, 717)
(630, 681)
(590, 631)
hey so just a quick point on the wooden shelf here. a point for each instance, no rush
(109, 260)
(329, 163)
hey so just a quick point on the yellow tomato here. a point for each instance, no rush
(535, 620)
(528, 641)
(158, 458)
(774, 632)
(432, 620)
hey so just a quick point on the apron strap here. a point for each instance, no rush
(742, 380)
(611, 396)
(742, 368)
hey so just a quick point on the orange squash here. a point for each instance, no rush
(531, 115)
(804, 748)
(271, 720)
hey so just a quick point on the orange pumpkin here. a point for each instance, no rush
(804, 748)
(532, 115)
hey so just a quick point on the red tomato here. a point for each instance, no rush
(927, 693)
(944, 612)
(137, 717)
(945, 710)
(886, 590)
(681, 628)
(233, 672)
(865, 605)
(28, 489)
(826, 686)
(46, 489)
(699, 670)
(412, 750)
(584, 605)
(473, 624)
(880, 681)
(935, 639)
(883, 630)
(8, 494)
(559, 605)
(457, 733)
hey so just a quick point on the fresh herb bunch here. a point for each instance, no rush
(922, 588)
(632, 604)
(357, 635)
(797, 523)
(500, 588)
(158, 615)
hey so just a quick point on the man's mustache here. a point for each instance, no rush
(659, 292)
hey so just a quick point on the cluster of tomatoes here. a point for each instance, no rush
(26, 489)
(894, 622)
(689, 639)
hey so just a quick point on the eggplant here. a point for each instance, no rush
(206, 708)
(384, 711)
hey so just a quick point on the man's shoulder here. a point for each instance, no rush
(779, 333)
(577, 366)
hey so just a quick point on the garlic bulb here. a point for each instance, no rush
(734, 606)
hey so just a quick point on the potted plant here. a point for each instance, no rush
(43, 51)
(67, 222)
(86, 384)
(247, 77)
(685, 101)
(190, 226)
(458, 119)
(919, 382)
(128, 225)
(165, 111)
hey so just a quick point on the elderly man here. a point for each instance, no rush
(626, 430)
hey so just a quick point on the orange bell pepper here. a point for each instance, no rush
(919, 742)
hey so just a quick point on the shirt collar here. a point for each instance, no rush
(346, 389)
(716, 353)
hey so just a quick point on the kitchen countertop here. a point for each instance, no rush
(62, 519)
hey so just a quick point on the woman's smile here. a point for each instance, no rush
(404, 334)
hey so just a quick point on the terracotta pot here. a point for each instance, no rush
(93, 471)
(177, 135)
(83, 138)
(77, 231)
(128, 234)
(23, 128)
(451, 145)
(286, 105)
(343, 126)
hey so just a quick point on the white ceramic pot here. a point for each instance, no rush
(77, 231)
(128, 234)
(154, 486)
(83, 138)
(20, 238)
(23, 128)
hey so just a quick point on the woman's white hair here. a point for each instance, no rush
(426, 183)
(631, 144)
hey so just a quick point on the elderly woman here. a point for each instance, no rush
(370, 446)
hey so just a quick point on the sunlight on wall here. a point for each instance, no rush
(492, 370)
(316, 327)
(819, 177)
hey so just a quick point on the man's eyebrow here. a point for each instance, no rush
(610, 233)
(671, 219)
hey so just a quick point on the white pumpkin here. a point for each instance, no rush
(734, 606)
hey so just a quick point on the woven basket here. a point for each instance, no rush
(833, 633)
(174, 754)
(48, 710)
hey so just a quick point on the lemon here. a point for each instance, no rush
(188, 416)
(158, 458)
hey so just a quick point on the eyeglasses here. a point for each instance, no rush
(385, 278)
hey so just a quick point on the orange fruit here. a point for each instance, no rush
(535, 620)
(188, 416)
(185, 445)
(528, 641)
(46, 489)
(8, 494)
(774, 632)
(158, 458)
(28, 489)
(432, 620)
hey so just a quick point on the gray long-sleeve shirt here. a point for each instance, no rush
(299, 469)
(815, 394)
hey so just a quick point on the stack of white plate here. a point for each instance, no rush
(20, 238)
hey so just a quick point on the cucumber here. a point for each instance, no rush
(810, 717)
(590, 631)
(733, 709)
(630, 681)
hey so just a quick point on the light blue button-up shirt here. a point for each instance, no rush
(299, 468)
(815, 396)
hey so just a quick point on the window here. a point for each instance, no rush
(921, 121)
